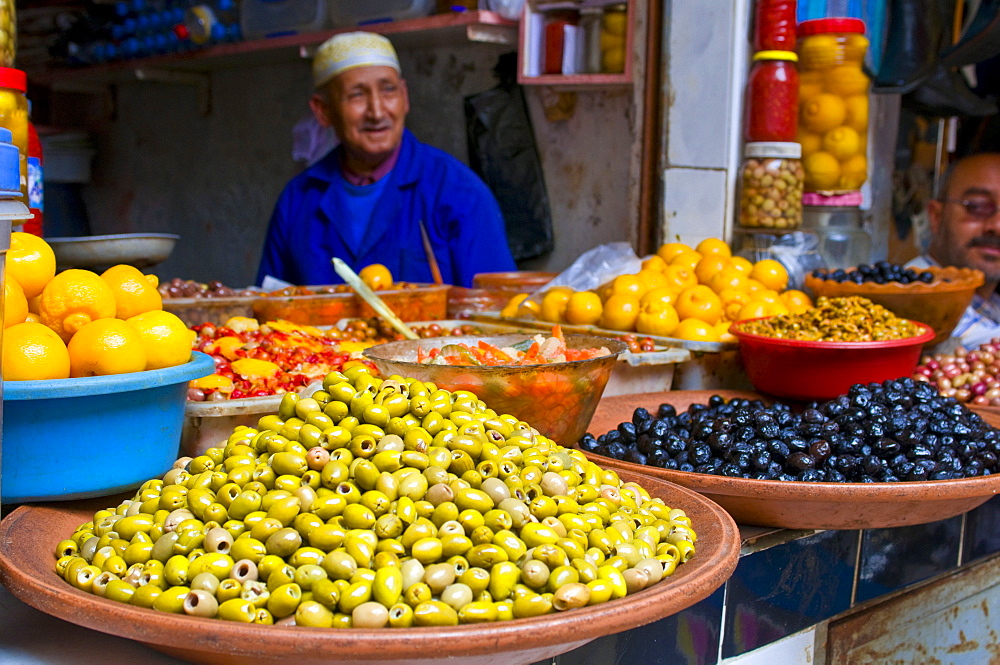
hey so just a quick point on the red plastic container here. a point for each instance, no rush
(806, 370)
(772, 106)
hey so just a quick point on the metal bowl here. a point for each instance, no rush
(141, 250)
(557, 399)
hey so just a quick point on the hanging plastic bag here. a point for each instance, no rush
(595, 267)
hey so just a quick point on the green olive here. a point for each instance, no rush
(145, 596)
(200, 603)
(503, 576)
(387, 588)
(284, 600)
(356, 594)
(119, 591)
(283, 542)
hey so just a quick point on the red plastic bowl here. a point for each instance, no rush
(806, 370)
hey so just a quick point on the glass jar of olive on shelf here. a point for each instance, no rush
(771, 184)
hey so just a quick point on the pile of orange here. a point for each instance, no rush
(78, 323)
(682, 292)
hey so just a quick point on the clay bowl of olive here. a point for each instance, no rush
(792, 504)
(30, 534)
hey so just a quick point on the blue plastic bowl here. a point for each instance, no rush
(75, 438)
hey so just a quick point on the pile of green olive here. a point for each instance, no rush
(379, 503)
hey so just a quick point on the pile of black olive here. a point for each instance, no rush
(882, 272)
(899, 430)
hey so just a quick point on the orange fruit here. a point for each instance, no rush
(821, 113)
(796, 301)
(818, 51)
(657, 318)
(699, 302)
(166, 339)
(33, 303)
(620, 312)
(771, 274)
(733, 301)
(680, 277)
(654, 262)
(584, 308)
(755, 309)
(776, 307)
(669, 250)
(31, 261)
(729, 277)
(686, 259)
(74, 298)
(752, 286)
(709, 266)
(627, 285)
(810, 142)
(822, 171)
(741, 264)
(651, 279)
(842, 142)
(696, 330)
(376, 276)
(554, 304)
(15, 305)
(810, 84)
(714, 246)
(134, 292)
(33, 352)
(32, 317)
(856, 108)
(661, 294)
(509, 310)
(106, 346)
(853, 172)
(846, 80)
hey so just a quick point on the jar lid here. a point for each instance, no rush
(14, 79)
(785, 149)
(822, 26)
(849, 199)
(10, 168)
(776, 55)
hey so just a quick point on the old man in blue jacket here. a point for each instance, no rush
(367, 200)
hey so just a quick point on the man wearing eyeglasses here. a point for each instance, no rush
(965, 232)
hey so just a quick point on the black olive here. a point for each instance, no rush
(640, 415)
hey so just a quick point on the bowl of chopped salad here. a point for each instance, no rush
(553, 383)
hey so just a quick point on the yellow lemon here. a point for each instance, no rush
(842, 142)
(810, 142)
(628, 284)
(696, 330)
(699, 302)
(106, 346)
(741, 264)
(714, 247)
(554, 304)
(134, 292)
(722, 328)
(853, 173)
(620, 312)
(822, 113)
(657, 318)
(376, 276)
(856, 113)
(662, 294)
(754, 309)
(667, 251)
(33, 352)
(709, 266)
(509, 310)
(613, 59)
(31, 261)
(74, 298)
(614, 22)
(679, 277)
(810, 84)
(654, 262)
(529, 309)
(855, 47)
(846, 80)
(687, 259)
(165, 338)
(729, 277)
(584, 308)
(771, 274)
(733, 301)
(15, 305)
(796, 301)
(818, 52)
(822, 172)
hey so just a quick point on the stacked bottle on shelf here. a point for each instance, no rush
(141, 28)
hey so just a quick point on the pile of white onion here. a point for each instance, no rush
(968, 376)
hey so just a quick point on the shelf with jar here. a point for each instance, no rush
(440, 29)
(584, 43)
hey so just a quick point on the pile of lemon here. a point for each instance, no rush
(691, 294)
(78, 323)
(833, 112)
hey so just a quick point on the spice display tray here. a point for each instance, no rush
(29, 535)
(798, 505)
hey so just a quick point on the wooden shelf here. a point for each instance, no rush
(439, 30)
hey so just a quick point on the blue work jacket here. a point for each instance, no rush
(461, 216)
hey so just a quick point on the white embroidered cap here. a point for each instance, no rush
(349, 50)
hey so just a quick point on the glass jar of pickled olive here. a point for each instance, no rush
(771, 112)
(8, 33)
(771, 186)
(14, 116)
(833, 103)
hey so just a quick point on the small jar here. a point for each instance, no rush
(774, 25)
(614, 30)
(771, 186)
(590, 27)
(772, 98)
(14, 116)
(833, 104)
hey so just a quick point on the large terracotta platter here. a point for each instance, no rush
(29, 535)
(795, 505)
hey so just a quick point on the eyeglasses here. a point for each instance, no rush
(977, 208)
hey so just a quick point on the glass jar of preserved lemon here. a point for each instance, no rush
(833, 104)
(14, 116)
(8, 33)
